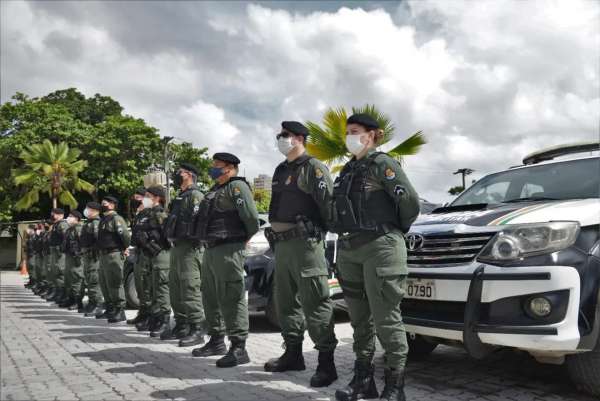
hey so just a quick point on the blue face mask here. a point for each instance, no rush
(215, 172)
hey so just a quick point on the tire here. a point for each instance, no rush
(131, 296)
(584, 370)
(271, 312)
(419, 347)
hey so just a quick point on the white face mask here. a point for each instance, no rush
(71, 220)
(86, 213)
(354, 145)
(147, 202)
(285, 145)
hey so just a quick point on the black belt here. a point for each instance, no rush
(296, 232)
(109, 250)
(211, 243)
(358, 240)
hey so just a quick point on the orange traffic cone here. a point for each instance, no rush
(24, 271)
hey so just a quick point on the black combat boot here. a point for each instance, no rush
(180, 330)
(118, 316)
(162, 324)
(105, 313)
(394, 385)
(236, 355)
(91, 306)
(80, 306)
(67, 302)
(61, 297)
(214, 346)
(194, 337)
(362, 384)
(144, 324)
(326, 372)
(52, 292)
(141, 315)
(292, 359)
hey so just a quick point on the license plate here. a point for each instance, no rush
(418, 288)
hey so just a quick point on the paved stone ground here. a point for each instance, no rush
(48, 353)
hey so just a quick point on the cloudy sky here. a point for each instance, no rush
(486, 81)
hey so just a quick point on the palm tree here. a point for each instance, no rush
(51, 169)
(328, 143)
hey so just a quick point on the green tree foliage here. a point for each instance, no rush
(456, 190)
(327, 142)
(118, 148)
(262, 197)
(51, 169)
(186, 153)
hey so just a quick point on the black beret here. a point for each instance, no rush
(75, 213)
(295, 127)
(57, 210)
(140, 191)
(189, 167)
(156, 191)
(363, 119)
(227, 158)
(93, 205)
(111, 199)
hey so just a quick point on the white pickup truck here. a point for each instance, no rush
(514, 261)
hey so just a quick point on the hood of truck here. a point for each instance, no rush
(585, 211)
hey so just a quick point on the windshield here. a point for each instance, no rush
(575, 179)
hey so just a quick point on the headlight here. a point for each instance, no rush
(257, 248)
(519, 241)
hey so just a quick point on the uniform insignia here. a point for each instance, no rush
(389, 174)
(239, 201)
(236, 191)
(289, 180)
(196, 208)
(322, 185)
(318, 173)
(399, 190)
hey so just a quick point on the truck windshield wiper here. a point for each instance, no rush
(530, 198)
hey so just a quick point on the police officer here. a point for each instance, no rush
(185, 258)
(373, 205)
(73, 263)
(57, 256)
(47, 261)
(113, 240)
(298, 215)
(91, 259)
(227, 220)
(30, 254)
(141, 268)
(39, 258)
(153, 244)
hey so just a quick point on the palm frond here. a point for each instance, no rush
(410, 146)
(67, 198)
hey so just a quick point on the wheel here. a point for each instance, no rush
(419, 346)
(131, 296)
(271, 312)
(584, 370)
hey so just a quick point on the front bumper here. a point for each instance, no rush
(467, 295)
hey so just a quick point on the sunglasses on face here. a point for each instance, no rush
(283, 135)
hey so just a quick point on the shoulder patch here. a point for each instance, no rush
(318, 173)
(237, 191)
(239, 201)
(390, 174)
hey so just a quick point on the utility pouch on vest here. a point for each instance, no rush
(170, 226)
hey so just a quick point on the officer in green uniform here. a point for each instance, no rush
(141, 268)
(73, 263)
(57, 256)
(91, 258)
(38, 248)
(30, 253)
(185, 259)
(113, 240)
(154, 246)
(298, 214)
(48, 282)
(373, 205)
(227, 220)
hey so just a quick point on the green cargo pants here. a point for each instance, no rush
(73, 276)
(31, 262)
(159, 267)
(111, 279)
(40, 268)
(224, 292)
(302, 292)
(57, 267)
(48, 269)
(373, 277)
(143, 280)
(184, 283)
(91, 267)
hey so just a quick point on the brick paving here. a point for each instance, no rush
(48, 353)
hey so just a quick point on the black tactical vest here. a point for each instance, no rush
(89, 233)
(57, 236)
(180, 223)
(149, 230)
(38, 243)
(71, 244)
(355, 208)
(287, 200)
(218, 225)
(136, 229)
(107, 238)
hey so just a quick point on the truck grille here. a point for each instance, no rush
(442, 249)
